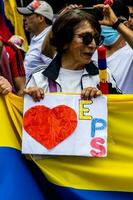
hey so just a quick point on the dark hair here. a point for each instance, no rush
(120, 9)
(128, 2)
(48, 21)
(63, 27)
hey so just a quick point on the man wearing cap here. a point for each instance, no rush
(37, 17)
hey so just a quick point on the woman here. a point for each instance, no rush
(75, 35)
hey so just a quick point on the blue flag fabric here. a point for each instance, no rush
(16, 180)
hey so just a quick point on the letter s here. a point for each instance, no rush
(96, 144)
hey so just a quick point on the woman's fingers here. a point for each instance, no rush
(90, 92)
(36, 93)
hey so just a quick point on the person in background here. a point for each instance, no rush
(12, 67)
(18, 41)
(131, 16)
(5, 86)
(120, 13)
(129, 3)
(127, 34)
(1, 46)
(37, 18)
(75, 35)
(119, 53)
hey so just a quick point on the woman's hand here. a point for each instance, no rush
(90, 92)
(35, 92)
(5, 86)
(69, 7)
(109, 17)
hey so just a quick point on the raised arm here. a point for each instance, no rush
(110, 19)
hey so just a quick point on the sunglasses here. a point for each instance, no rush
(131, 15)
(88, 37)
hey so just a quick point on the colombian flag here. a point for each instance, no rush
(4, 30)
(11, 21)
(79, 178)
(15, 19)
(16, 179)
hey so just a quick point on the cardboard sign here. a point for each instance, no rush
(63, 124)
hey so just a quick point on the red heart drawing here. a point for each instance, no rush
(50, 126)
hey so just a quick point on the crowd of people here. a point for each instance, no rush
(62, 55)
(63, 49)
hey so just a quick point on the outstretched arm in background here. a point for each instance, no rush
(110, 19)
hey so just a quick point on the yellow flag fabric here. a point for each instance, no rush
(113, 173)
(16, 19)
(11, 121)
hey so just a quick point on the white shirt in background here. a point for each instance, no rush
(34, 57)
(120, 64)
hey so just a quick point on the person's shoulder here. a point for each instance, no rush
(10, 51)
(37, 78)
(39, 69)
(127, 46)
(37, 72)
(113, 88)
(126, 52)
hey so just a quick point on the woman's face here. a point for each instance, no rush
(79, 52)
